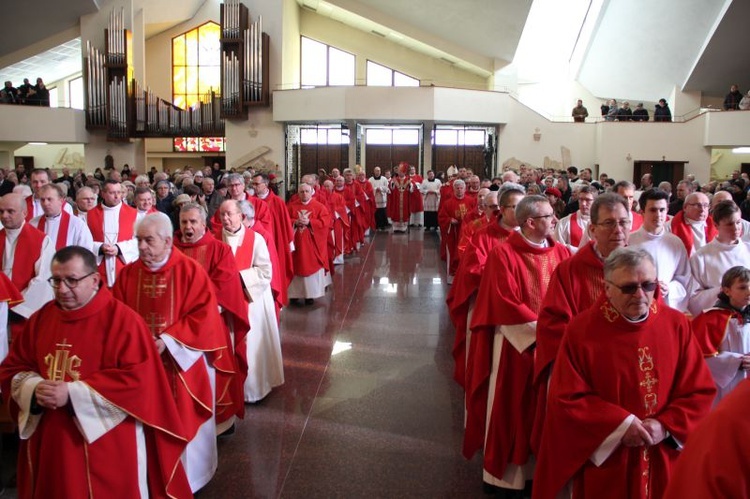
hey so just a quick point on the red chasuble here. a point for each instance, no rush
(62, 230)
(311, 243)
(715, 463)
(216, 258)
(607, 369)
(178, 300)
(574, 287)
(369, 205)
(8, 292)
(106, 346)
(470, 224)
(416, 202)
(710, 328)
(29, 208)
(682, 229)
(637, 221)
(465, 286)
(400, 200)
(353, 195)
(283, 235)
(337, 206)
(95, 221)
(454, 208)
(513, 286)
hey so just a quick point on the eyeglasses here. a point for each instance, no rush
(630, 289)
(70, 282)
(543, 216)
(611, 224)
(703, 206)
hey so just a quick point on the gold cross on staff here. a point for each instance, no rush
(62, 363)
(156, 323)
(156, 287)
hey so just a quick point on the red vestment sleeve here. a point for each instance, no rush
(715, 463)
(710, 328)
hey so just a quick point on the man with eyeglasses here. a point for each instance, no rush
(627, 190)
(571, 230)
(709, 263)
(236, 191)
(461, 300)
(61, 227)
(629, 386)
(508, 303)
(26, 253)
(693, 225)
(673, 269)
(574, 287)
(84, 381)
(282, 230)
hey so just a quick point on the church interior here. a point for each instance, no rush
(369, 407)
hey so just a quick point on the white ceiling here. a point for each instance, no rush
(51, 65)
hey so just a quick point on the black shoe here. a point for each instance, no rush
(293, 301)
(309, 301)
(229, 431)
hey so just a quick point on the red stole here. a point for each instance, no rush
(62, 231)
(28, 250)
(576, 233)
(244, 254)
(29, 208)
(126, 222)
(682, 229)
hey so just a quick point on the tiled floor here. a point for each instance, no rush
(369, 408)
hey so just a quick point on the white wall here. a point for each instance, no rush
(368, 46)
(42, 124)
(55, 156)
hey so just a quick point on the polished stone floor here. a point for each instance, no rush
(369, 407)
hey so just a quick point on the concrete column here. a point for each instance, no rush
(427, 147)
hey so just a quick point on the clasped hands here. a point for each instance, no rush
(51, 394)
(644, 433)
(110, 249)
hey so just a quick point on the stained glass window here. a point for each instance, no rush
(196, 70)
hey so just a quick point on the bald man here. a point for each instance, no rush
(692, 224)
(27, 254)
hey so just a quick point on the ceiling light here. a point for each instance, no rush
(741, 150)
(37, 143)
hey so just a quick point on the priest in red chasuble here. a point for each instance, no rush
(450, 216)
(283, 234)
(400, 200)
(175, 296)
(575, 285)
(355, 202)
(337, 207)
(312, 228)
(500, 391)
(85, 384)
(628, 388)
(462, 294)
(216, 258)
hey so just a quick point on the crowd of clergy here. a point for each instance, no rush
(591, 347)
(143, 315)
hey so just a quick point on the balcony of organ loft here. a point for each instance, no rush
(125, 109)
